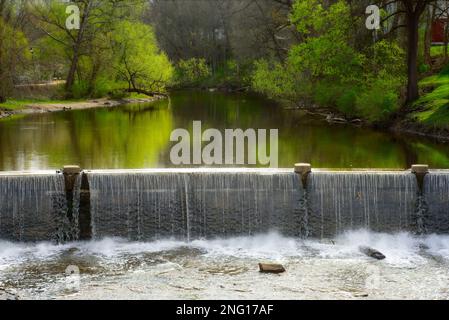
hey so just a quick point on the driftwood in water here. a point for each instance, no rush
(271, 268)
(370, 252)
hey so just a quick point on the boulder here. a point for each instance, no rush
(373, 253)
(271, 268)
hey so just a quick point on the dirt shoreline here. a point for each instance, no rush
(75, 105)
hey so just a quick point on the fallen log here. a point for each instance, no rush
(271, 268)
(373, 253)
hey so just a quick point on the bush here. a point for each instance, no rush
(346, 103)
(377, 103)
(341, 97)
(326, 94)
(423, 68)
(119, 94)
(278, 81)
(191, 72)
(80, 89)
(102, 87)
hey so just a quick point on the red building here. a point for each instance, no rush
(438, 31)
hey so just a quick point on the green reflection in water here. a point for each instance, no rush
(137, 136)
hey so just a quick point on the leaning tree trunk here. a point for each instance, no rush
(412, 57)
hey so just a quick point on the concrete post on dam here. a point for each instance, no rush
(71, 174)
(303, 169)
(420, 171)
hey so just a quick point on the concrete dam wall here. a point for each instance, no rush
(189, 204)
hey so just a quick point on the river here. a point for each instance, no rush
(138, 136)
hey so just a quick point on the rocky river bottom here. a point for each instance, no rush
(416, 267)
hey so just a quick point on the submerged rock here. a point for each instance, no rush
(373, 253)
(271, 268)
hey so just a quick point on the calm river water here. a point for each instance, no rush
(138, 136)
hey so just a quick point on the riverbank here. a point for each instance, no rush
(29, 107)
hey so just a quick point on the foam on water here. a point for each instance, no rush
(401, 249)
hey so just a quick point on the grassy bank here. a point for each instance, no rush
(432, 109)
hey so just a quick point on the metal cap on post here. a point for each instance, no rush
(303, 169)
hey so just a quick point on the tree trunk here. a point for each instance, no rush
(77, 47)
(72, 71)
(412, 57)
(428, 36)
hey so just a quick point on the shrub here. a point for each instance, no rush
(377, 103)
(346, 103)
(192, 71)
(279, 81)
(80, 89)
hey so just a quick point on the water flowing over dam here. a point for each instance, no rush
(379, 201)
(436, 195)
(189, 204)
(33, 207)
(150, 205)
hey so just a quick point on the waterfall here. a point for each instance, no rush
(152, 205)
(436, 195)
(34, 208)
(340, 201)
(200, 203)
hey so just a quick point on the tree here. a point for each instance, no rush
(412, 11)
(97, 17)
(328, 67)
(139, 62)
(13, 45)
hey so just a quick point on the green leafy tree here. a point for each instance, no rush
(191, 71)
(13, 51)
(97, 18)
(138, 60)
(328, 69)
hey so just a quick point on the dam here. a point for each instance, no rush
(192, 204)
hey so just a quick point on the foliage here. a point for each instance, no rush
(139, 62)
(13, 50)
(275, 80)
(433, 107)
(378, 102)
(191, 72)
(327, 68)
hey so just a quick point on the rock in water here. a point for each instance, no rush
(271, 268)
(373, 253)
